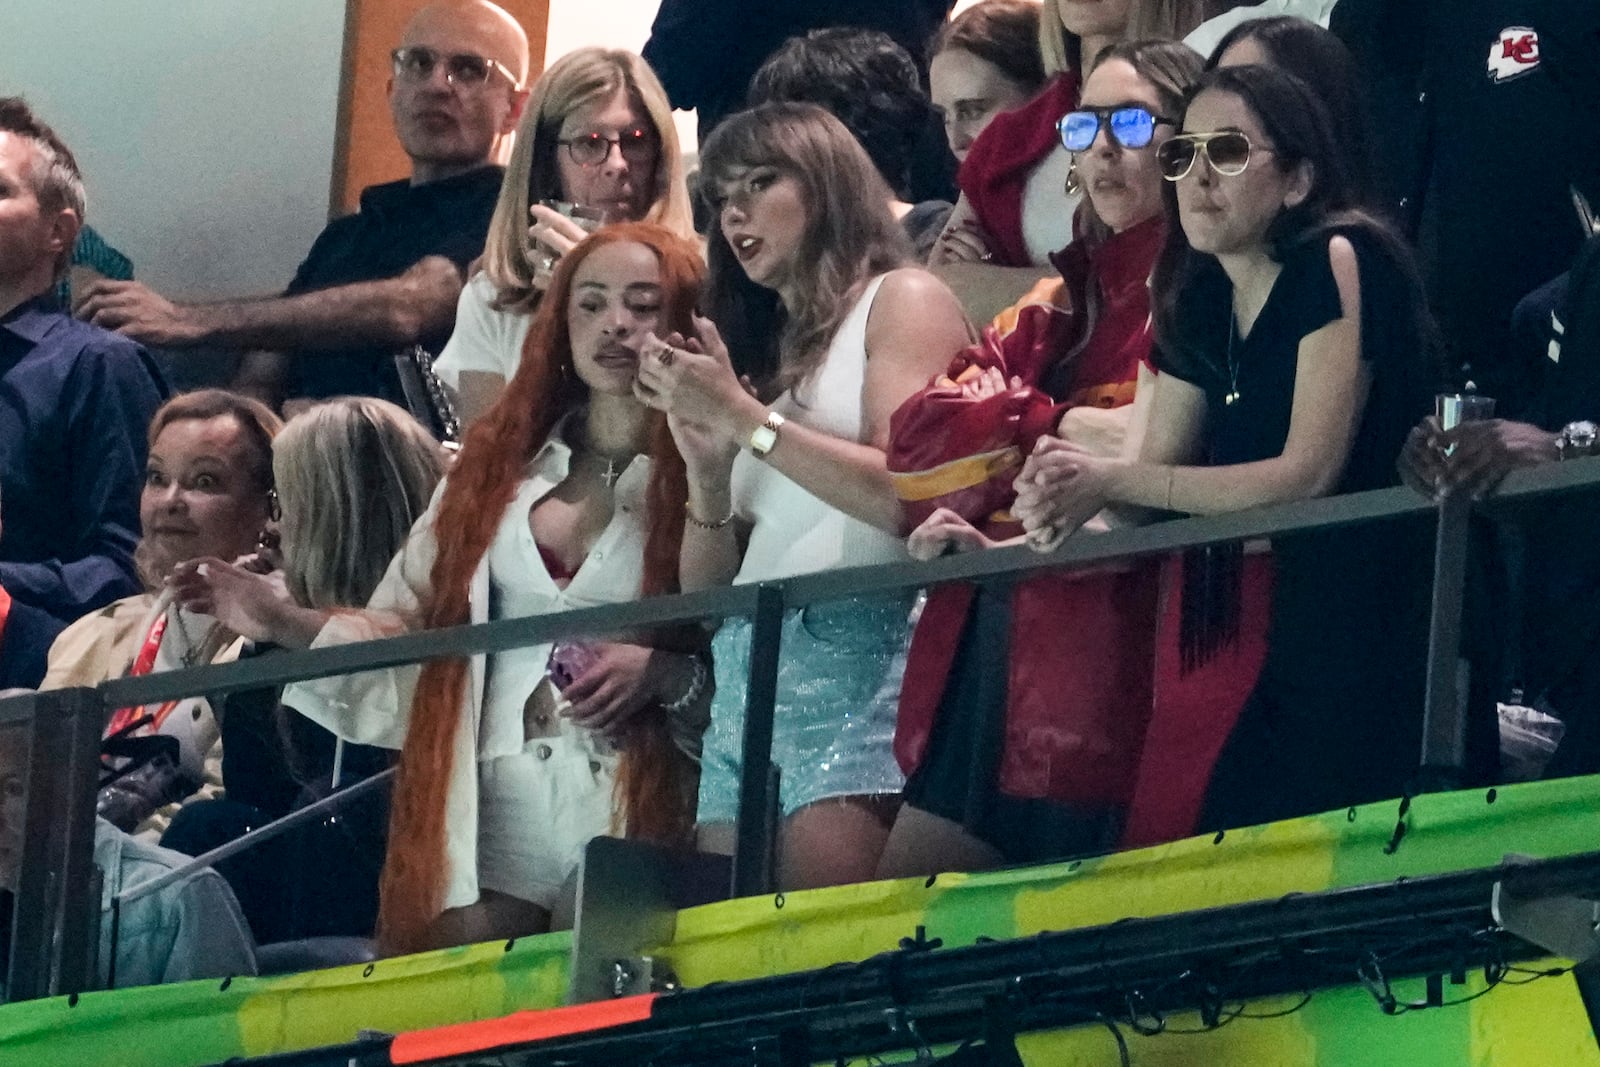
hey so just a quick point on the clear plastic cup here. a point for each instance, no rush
(588, 219)
(1455, 408)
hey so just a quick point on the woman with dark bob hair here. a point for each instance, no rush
(1316, 56)
(1295, 353)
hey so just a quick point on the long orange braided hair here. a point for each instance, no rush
(655, 783)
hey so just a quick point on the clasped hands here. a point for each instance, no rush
(1061, 487)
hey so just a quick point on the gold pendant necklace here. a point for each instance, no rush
(1232, 394)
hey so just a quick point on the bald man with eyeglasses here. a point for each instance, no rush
(389, 276)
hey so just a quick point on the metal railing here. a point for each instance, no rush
(55, 915)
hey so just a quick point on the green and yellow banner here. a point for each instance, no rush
(1538, 1024)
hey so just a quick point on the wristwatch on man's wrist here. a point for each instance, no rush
(765, 436)
(1576, 439)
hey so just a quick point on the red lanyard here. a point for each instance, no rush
(5, 611)
(144, 663)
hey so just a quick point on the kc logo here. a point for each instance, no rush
(1514, 54)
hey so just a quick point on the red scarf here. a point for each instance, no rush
(1003, 158)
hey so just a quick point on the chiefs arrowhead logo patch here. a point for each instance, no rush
(1514, 53)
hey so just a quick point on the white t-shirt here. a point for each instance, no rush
(484, 339)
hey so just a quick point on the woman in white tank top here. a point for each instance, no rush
(810, 286)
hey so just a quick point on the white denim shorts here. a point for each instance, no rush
(538, 808)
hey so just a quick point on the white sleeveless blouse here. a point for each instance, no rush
(793, 532)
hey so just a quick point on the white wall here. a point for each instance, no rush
(204, 127)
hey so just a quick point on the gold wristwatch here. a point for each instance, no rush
(765, 436)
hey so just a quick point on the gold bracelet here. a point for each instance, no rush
(1170, 472)
(694, 521)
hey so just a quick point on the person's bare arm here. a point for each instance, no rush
(914, 330)
(394, 312)
(1330, 392)
(1060, 486)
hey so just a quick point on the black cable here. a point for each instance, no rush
(1305, 998)
(1123, 1056)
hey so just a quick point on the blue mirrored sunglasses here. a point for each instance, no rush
(1129, 127)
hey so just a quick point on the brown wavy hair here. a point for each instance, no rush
(655, 781)
(850, 238)
(1002, 33)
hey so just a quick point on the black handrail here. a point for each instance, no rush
(800, 591)
(69, 844)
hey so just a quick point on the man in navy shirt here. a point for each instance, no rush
(389, 276)
(74, 405)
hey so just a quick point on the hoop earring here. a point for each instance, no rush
(1074, 184)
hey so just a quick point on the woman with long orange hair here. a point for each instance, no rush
(567, 493)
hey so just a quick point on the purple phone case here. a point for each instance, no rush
(568, 660)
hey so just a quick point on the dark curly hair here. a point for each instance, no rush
(866, 80)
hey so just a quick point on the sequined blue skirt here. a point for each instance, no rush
(839, 675)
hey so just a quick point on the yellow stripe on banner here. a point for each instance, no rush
(963, 473)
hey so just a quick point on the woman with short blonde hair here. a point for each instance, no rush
(596, 137)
